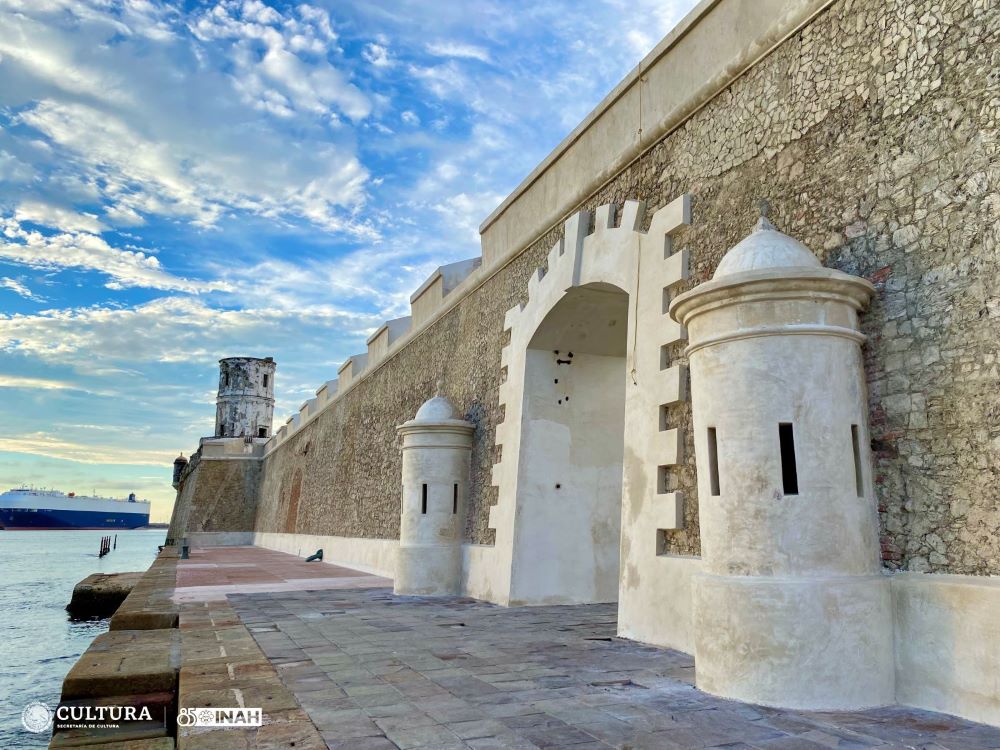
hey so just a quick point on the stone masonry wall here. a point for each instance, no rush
(216, 496)
(874, 135)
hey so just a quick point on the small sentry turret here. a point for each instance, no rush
(437, 447)
(791, 608)
(180, 463)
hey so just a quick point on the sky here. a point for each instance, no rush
(186, 181)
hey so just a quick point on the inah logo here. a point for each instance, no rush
(220, 717)
(36, 717)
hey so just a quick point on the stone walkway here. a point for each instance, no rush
(377, 671)
(210, 574)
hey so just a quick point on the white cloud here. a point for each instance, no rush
(42, 384)
(171, 128)
(13, 170)
(124, 216)
(445, 81)
(58, 217)
(18, 288)
(81, 250)
(266, 47)
(464, 212)
(410, 118)
(377, 55)
(165, 330)
(53, 446)
(460, 50)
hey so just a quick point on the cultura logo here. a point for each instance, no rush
(36, 717)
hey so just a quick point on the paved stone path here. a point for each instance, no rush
(373, 670)
(210, 574)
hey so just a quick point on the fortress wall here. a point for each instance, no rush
(216, 495)
(873, 133)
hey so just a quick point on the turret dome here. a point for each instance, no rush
(436, 409)
(765, 248)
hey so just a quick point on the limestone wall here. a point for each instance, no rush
(216, 495)
(873, 133)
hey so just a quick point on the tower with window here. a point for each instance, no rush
(245, 404)
(437, 449)
(791, 608)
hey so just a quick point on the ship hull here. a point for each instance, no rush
(14, 519)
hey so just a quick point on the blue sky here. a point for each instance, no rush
(181, 182)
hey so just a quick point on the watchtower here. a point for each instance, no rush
(245, 405)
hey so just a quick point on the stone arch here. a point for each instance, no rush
(572, 444)
(625, 266)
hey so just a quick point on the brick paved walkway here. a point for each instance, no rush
(377, 671)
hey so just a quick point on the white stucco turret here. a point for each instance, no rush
(245, 404)
(791, 608)
(437, 448)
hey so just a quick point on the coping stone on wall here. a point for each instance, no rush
(714, 44)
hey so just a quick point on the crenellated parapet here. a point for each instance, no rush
(438, 293)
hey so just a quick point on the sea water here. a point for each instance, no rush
(38, 641)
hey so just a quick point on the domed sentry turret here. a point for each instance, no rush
(791, 608)
(180, 463)
(437, 447)
(245, 405)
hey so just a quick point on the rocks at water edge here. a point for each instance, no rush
(100, 594)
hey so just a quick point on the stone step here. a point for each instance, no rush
(126, 662)
(149, 606)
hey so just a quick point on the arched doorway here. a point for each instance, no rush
(568, 527)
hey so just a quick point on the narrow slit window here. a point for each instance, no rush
(454, 499)
(859, 480)
(713, 462)
(423, 499)
(789, 473)
(265, 381)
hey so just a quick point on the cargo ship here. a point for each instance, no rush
(24, 508)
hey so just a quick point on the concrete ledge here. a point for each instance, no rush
(149, 607)
(376, 556)
(206, 539)
(660, 606)
(947, 643)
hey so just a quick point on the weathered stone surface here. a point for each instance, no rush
(215, 495)
(222, 666)
(245, 403)
(100, 594)
(126, 662)
(148, 606)
(372, 669)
